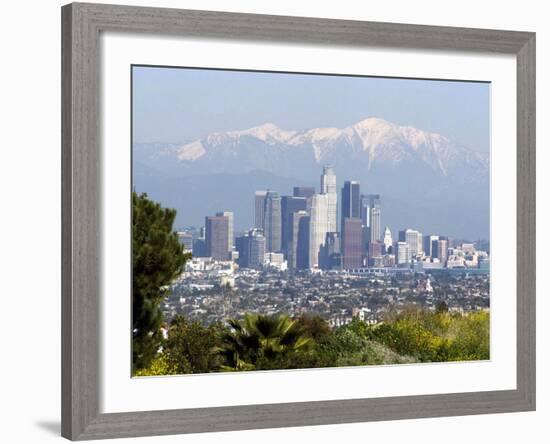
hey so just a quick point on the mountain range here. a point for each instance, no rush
(425, 180)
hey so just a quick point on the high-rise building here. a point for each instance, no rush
(186, 239)
(251, 249)
(352, 251)
(371, 215)
(289, 206)
(318, 228)
(259, 207)
(216, 237)
(388, 242)
(199, 247)
(333, 251)
(353, 246)
(429, 242)
(230, 228)
(328, 187)
(272, 221)
(350, 203)
(401, 253)
(298, 240)
(306, 192)
(302, 222)
(375, 221)
(364, 210)
(440, 249)
(414, 241)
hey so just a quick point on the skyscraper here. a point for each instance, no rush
(186, 239)
(387, 239)
(375, 221)
(350, 202)
(318, 228)
(216, 237)
(259, 207)
(430, 243)
(351, 209)
(413, 239)
(333, 248)
(441, 249)
(289, 206)
(272, 221)
(230, 228)
(371, 215)
(352, 254)
(251, 249)
(298, 240)
(401, 253)
(328, 187)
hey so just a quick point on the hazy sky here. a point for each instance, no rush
(180, 104)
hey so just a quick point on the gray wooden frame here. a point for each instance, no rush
(81, 167)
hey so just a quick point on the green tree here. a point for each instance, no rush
(158, 258)
(160, 366)
(192, 347)
(261, 342)
(313, 326)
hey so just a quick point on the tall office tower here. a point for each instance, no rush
(289, 206)
(216, 237)
(350, 203)
(251, 249)
(441, 250)
(387, 240)
(186, 239)
(298, 240)
(429, 244)
(199, 247)
(306, 192)
(401, 253)
(272, 222)
(364, 210)
(371, 215)
(259, 207)
(328, 186)
(352, 251)
(375, 222)
(333, 252)
(413, 239)
(318, 228)
(230, 228)
(364, 214)
(419, 243)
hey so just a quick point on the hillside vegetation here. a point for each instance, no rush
(260, 342)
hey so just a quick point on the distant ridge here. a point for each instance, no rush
(427, 181)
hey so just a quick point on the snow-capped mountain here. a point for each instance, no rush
(370, 143)
(426, 180)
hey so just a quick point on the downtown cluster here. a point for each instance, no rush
(300, 232)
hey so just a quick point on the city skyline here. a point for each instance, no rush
(300, 231)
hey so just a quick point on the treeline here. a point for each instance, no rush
(260, 342)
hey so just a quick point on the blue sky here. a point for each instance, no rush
(180, 104)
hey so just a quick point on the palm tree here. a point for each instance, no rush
(260, 336)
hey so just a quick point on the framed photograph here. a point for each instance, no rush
(278, 221)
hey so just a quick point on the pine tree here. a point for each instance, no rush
(158, 258)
